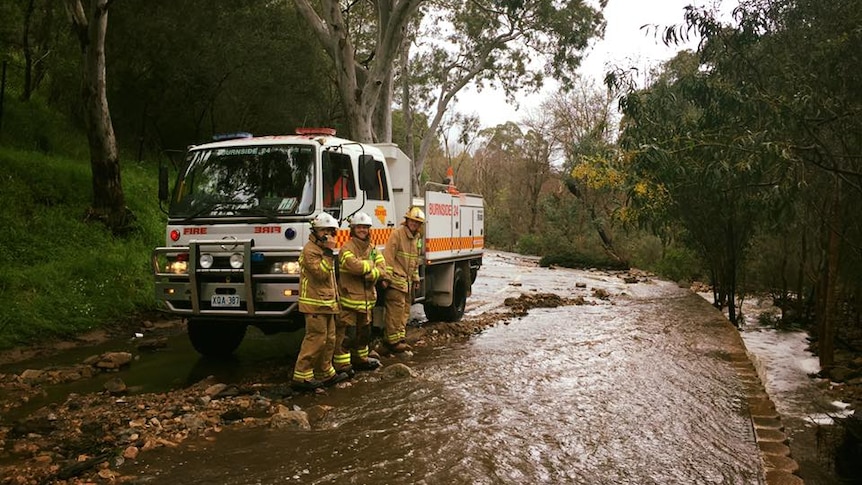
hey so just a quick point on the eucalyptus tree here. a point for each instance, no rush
(496, 176)
(693, 162)
(584, 127)
(508, 44)
(767, 112)
(90, 24)
(796, 69)
(801, 64)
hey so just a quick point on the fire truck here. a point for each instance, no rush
(240, 211)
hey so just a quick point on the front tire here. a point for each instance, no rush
(215, 339)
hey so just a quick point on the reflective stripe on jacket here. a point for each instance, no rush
(317, 291)
(402, 253)
(360, 266)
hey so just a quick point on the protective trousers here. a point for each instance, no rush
(351, 349)
(397, 314)
(315, 354)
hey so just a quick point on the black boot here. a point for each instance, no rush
(338, 377)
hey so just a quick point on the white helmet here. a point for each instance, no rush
(360, 219)
(323, 221)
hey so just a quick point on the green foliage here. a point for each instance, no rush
(60, 274)
(574, 259)
(753, 145)
(34, 126)
(678, 264)
(179, 72)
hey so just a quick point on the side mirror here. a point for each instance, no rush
(163, 183)
(367, 172)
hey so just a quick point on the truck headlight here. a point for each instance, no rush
(236, 261)
(285, 267)
(178, 267)
(206, 261)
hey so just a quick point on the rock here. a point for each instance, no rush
(131, 452)
(91, 360)
(31, 376)
(317, 413)
(193, 422)
(138, 423)
(69, 375)
(113, 360)
(107, 474)
(43, 459)
(214, 390)
(405, 356)
(115, 386)
(399, 370)
(580, 285)
(601, 293)
(232, 415)
(228, 391)
(151, 344)
(288, 419)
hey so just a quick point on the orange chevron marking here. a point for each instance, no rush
(436, 244)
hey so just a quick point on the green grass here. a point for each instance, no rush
(61, 275)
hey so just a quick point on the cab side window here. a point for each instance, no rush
(377, 188)
(339, 182)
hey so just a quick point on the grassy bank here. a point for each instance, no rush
(62, 276)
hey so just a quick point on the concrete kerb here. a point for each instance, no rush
(778, 466)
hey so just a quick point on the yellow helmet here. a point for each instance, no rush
(415, 214)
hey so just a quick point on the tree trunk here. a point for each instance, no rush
(604, 236)
(383, 111)
(359, 85)
(799, 301)
(108, 199)
(407, 114)
(27, 90)
(826, 340)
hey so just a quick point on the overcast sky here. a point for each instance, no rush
(625, 44)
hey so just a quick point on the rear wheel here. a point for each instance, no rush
(215, 339)
(432, 312)
(455, 311)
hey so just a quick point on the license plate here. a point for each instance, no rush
(225, 301)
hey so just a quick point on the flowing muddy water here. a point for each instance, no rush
(637, 389)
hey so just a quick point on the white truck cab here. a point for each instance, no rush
(239, 215)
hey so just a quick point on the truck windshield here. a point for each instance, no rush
(246, 181)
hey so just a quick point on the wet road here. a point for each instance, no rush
(637, 389)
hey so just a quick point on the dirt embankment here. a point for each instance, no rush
(85, 438)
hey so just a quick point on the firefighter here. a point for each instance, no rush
(360, 267)
(402, 253)
(318, 300)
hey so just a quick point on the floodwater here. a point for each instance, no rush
(808, 413)
(637, 389)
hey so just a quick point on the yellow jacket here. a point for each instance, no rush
(402, 253)
(360, 266)
(317, 290)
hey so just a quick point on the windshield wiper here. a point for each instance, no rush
(210, 208)
(270, 213)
